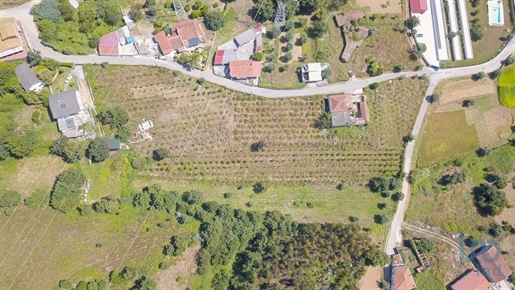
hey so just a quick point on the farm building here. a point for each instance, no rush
(401, 278)
(348, 110)
(70, 112)
(418, 6)
(312, 72)
(114, 144)
(116, 43)
(183, 36)
(471, 280)
(492, 264)
(240, 51)
(28, 79)
(10, 40)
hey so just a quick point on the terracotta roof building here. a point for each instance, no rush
(418, 6)
(472, 280)
(402, 279)
(184, 35)
(244, 69)
(10, 41)
(108, 44)
(348, 110)
(163, 43)
(492, 264)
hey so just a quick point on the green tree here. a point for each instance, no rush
(38, 199)
(381, 219)
(142, 199)
(412, 22)
(309, 6)
(318, 28)
(265, 9)
(65, 284)
(107, 204)
(275, 32)
(145, 283)
(47, 9)
(378, 184)
(490, 200)
(19, 145)
(4, 153)
(426, 245)
(214, 20)
(192, 197)
(10, 199)
(374, 69)
(379, 258)
(135, 13)
(260, 187)
(115, 117)
(66, 193)
(34, 57)
(98, 150)
(435, 98)
(327, 73)
(476, 33)
(161, 154)
(150, 3)
(151, 11)
(289, 25)
(324, 121)
(258, 56)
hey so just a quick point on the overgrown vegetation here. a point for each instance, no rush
(75, 31)
(506, 87)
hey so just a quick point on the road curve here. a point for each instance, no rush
(394, 235)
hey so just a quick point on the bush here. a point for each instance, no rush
(260, 187)
(66, 193)
(373, 86)
(374, 69)
(398, 196)
(425, 245)
(9, 200)
(228, 195)
(65, 284)
(490, 200)
(214, 20)
(38, 199)
(381, 219)
(378, 184)
(353, 219)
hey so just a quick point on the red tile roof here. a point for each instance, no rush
(402, 278)
(472, 280)
(219, 57)
(108, 44)
(175, 42)
(493, 264)
(340, 103)
(187, 30)
(242, 69)
(418, 6)
(162, 42)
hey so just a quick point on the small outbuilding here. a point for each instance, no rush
(312, 72)
(114, 144)
(28, 78)
(145, 125)
(348, 110)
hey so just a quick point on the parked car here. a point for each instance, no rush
(419, 35)
(68, 79)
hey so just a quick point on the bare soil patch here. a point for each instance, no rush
(177, 276)
(371, 278)
(464, 89)
(297, 49)
(381, 6)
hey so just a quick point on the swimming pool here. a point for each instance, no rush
(495, 13)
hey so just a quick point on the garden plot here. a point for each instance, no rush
(467, 88)
(209, 130)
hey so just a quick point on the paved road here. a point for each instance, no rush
(394, 236)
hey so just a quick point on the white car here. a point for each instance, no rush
(68, 79)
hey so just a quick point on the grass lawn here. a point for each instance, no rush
(447, 135)
(493, 36)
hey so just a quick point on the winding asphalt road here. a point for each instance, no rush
(394, 235)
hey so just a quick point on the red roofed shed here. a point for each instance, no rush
(418, 6)
(219, 57)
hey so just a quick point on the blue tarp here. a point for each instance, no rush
(128, 39)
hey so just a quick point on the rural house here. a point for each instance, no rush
(70, 112)
(245, 70)
(401, 278)
(492, 265)
(231, 57)
(10, 40)
(114, 144)
(28, 78)
(348, 110)
(471, 280)
(312, 72)
(116, 43)
(182, 36)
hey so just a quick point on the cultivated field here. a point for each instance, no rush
(453, 130)
(209, 131)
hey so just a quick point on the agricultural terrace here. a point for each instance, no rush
(453, 129)
(507, 87)
(209, 130)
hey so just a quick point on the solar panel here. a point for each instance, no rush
(63, 106)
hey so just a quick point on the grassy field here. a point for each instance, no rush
(209, 131)
(493, 36)
(40, 247)
(447, 136)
